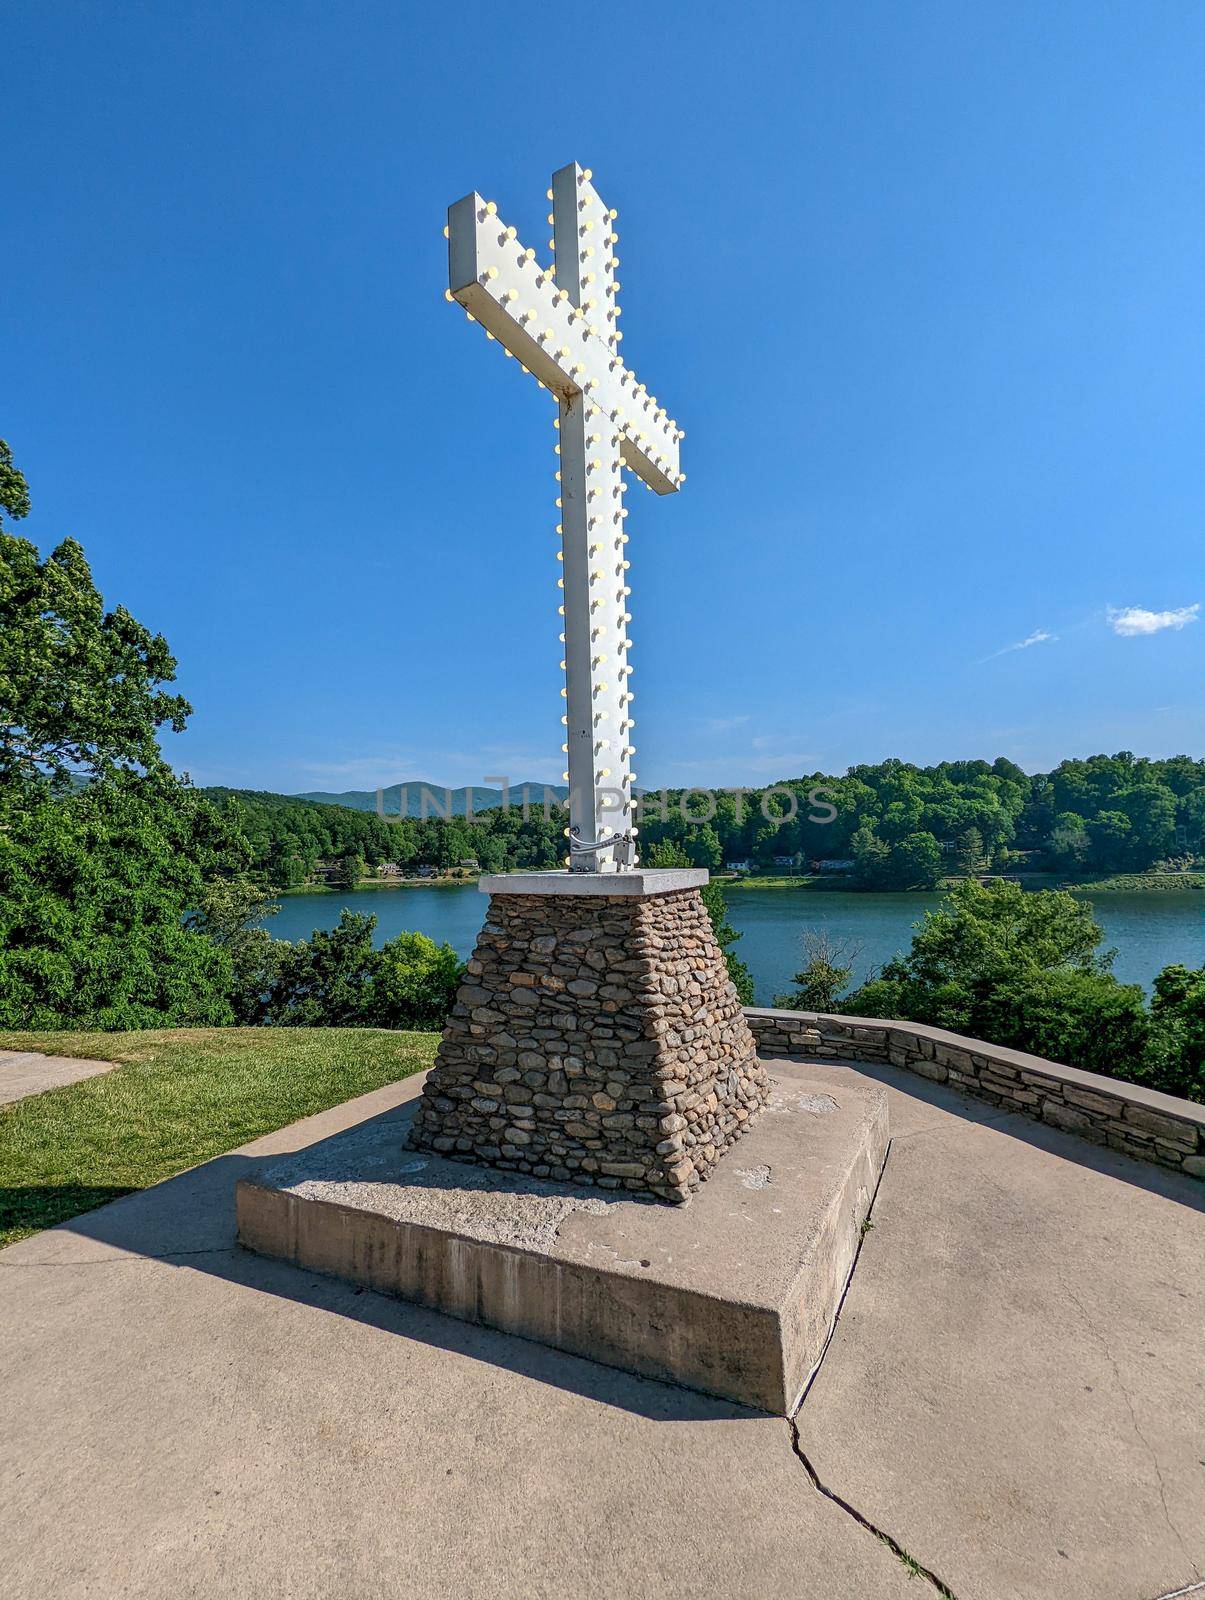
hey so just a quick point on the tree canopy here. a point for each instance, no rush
(102, 849)
(1017, 968)
(80, 687)
(901, 827)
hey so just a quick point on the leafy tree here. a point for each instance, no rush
(414, 983)
(1109, 838)
(351, 871)
(94, 888)
(915, 862)
(325, 981)
(872, 858)
(827, 969)
(337, 979)
(703, 847)
(103, 851)
(1085, 1019)
(14, 491)
(1069, 840)
(79, 685)
(970, 854)
(1151, 808)
(1193, 811)
(1018, 969)
(285, 865)
(230, 913)
(1175, 1058)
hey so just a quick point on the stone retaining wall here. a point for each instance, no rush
(1141, 1122)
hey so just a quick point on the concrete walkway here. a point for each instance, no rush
(25, 1072)
(1012, 1397)
(1015, 1389)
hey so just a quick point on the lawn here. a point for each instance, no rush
(176, 1098)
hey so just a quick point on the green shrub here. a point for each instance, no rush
(1175, 1057)
(1021, 969)
(336, 979)
(414, 983)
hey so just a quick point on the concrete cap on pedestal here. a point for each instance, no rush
(634, 883)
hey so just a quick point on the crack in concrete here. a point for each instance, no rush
(935, 1127)
(897, 1549)
(133, 1260)
(1099, 1337)
(893, 1545)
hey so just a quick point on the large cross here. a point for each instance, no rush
(561, 324)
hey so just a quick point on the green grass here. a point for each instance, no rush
(1121, 882)
(752, 881)
(176, 1098)
(444, 881)
(1144, 882)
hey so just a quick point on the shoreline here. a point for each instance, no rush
(375, 884)
(1118, 883)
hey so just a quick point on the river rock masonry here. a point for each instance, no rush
(596, 1037)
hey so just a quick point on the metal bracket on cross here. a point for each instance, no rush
(561, 324)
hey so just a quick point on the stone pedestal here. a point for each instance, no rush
(596, 1037)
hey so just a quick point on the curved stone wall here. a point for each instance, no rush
(1141, 1122)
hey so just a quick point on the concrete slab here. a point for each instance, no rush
(181, 1420)
(733, 1294)
(26, 1072)
(636, 882)
(1015, 1390)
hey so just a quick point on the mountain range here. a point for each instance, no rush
(406, 799)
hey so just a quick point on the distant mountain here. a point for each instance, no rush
(406, 799)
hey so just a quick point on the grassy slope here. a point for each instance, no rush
(377, 883)
(177, 1098)
(1120, 882)
(1143, 883)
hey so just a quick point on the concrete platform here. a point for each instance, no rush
(733, 1295)
(183, 1420)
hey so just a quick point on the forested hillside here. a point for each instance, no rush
(290, 838)
(895, 825)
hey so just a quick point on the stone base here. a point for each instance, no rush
(733, 1294)
(596, 1038)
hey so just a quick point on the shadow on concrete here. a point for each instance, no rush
(45, 1205)
(1177, 1186)
(188, 1222)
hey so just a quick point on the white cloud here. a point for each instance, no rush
(1130, 621)
(1038, 636)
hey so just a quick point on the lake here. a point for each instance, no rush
(1149, 931)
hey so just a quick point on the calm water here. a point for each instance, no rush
(1148, 930)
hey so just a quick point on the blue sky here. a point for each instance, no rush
(923, 283)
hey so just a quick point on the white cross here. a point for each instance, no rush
(561, 325)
